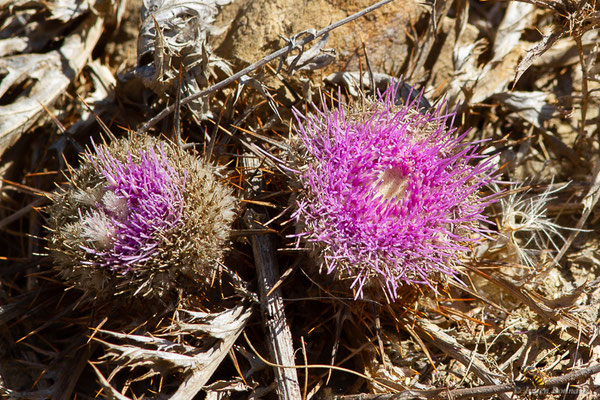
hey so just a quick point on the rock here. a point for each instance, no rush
(259, 25)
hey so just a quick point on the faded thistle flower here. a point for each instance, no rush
(140, 216)
(389, 195)
(527, 234)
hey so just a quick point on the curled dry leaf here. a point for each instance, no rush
(312, 59)
(173, 36)
(536, 51)
(354, 81)
(533, 107)
(170, 355)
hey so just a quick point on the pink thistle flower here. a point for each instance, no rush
(140, 217)
(390, 195)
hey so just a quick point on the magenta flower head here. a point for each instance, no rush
(389, 195)
(140, 216)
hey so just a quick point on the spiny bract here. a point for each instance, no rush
(389, 195)
(140, 216)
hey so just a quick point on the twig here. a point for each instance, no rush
(271, 304)
(520, 386)
(177, 116)
(423, 51)
(273, 56)
(479, 391)
(23, 211)
(584, 92)
(448, 344)
(305, 391)
(70, 373)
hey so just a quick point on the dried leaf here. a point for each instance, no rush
(473, 82)
(46, 77)
(68, 10)
(312, 59)
(534, 107)
(536, 51)
(263, 90)
(220, 389)
(169, 355)
(352, 82)
(516, 19)
(24, 31)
